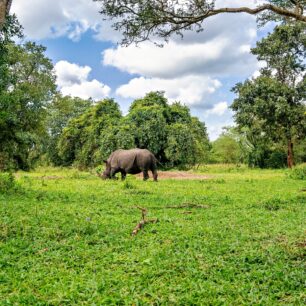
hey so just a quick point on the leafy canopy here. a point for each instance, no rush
(27, 85)
(272, 105)
(168, 131)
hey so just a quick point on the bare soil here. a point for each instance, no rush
(179, 175)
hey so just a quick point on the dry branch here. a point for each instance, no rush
(143, 221)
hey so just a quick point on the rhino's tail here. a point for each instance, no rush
(158, 162)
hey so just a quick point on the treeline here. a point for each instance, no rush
(40, 126)
(169, 131)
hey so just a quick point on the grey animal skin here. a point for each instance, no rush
(131, 161)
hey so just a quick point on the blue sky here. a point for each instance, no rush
(198, 70)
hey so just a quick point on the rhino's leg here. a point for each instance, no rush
(113, 173)
(123, 175)
(154, 172)
(145, 175)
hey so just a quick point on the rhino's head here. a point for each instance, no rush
(106, 173)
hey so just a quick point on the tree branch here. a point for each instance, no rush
(138, 21)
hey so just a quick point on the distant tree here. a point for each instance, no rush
(60, 111)
(180, 146)
(88, 139)
(141, 20)
(148, 117)
(274, 102)
(226, 149)
(169, 131)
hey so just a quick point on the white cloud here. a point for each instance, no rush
(72, 80)
(221, 50)
(50, 19)
(187, 89)
(218, 109)
(69, 73)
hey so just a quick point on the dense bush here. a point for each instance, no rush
(169, 131)
(277, 159)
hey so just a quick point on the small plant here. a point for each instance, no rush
(99, 170)
(128, 185)
(7, 182)
(274, 204)
(298, 173)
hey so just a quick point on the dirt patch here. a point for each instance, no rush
(179, 175)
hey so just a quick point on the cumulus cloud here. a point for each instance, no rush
(50, 19)
(218, 109)
(72, 80)
(221, 50)
(188, 89)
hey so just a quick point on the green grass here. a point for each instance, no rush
(65, 239)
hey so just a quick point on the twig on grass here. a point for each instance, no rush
(143, 221)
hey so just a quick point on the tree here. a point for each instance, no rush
(148, 117)
(273, 103)
(87, 139)
(168, 131)
(27, 84)
(60, 111)
(5, 6)
(226, 149)
(140, 20)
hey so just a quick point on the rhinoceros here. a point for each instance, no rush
(131, 161)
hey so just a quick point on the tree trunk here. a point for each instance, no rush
(5, 6)
(290, 154)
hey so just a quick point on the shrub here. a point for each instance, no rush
(276, 160)
(298, 173)
(7, 182)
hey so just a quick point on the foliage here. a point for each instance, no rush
(27, 84)
(168, 131)
(143, 20)
(300, 151)
(60, 111)
(7, 182)
(298, 173)
(149, 125)
(80, 141)
(78, 231)
(180, 145)
(225, 149)
(271, 106)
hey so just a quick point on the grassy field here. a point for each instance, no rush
(65, 239)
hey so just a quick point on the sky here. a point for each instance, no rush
(198, 70)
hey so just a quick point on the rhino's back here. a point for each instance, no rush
(133, 160)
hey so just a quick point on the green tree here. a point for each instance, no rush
(27, 84)
(148, 118)
(84, 136)
(180, 146)
(141, 20)
(273, 103)
(168, 131)
(226, 149)
(60, 111)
